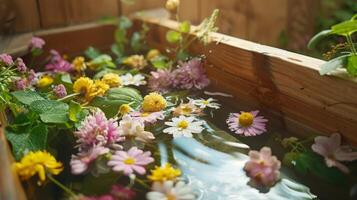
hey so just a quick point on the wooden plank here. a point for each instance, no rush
(286, 82)
(140, 5)
(56, 13)
(27, 17)
(190, 10)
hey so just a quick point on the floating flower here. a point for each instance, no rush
(164, 173)
(153, 102)
(169, 190)
(204, 103)
(153, 53)
(132, 161)
(190, 75)
(60, 91)
(131, 128)
(148, 117)
(172, 5)
(36, 43)
(184, 126)
(57, 63)
(21, 84)
(136, 61)
(97, 130)
(247, 123)
(160, 81)
(79, 64)
(83, 86)
(113, 80)
(21, 67)
(45, 81)
(125, 109)
(80, 162)
(6, 59)
(39, 162)
(330, 148)
(263, 168)
(99, 88)
(187, 109)
(122, 193)
(129, 79)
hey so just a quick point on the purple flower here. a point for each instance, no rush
(190, 75)
(6, 59)
(36, 43)
(160, 81)
(330, 148)
(31, 76)
(122, 193)
(132, 161)
(96, 129)
(21, 84)
(247, 123)
(263, 168)
(60, 91)
(80, 162)
(21, 67)
(57, 63)
(147, 117)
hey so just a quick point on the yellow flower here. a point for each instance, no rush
(187, 109)
(153, 102)
(79, 64)
(124, 109)
(136, 61)
(165, 173)
(99, 88)
(83, 85)
(113, 80)
(39, 162)
(153, 53)
(45, 81)
(171, 5)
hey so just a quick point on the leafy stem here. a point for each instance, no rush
(350, 42)
(64, 188)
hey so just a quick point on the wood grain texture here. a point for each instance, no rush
(27, 15)
(286, 82)
(140, 5)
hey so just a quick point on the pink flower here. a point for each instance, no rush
(122, 193)
(247, 123)
(148, 117)
(190, 75)
(131, 128)
(57, 63)
(330, 148)
(160, 81)
(80, 162)
(21, 67)
(21, 84)
(31, 76)
(60, 91)
(263, 168)
(96, 129)
(6, 59)
(36, 43)
(132, 161)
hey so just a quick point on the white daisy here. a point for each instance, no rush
(203, 103)
(184, 126)
(129, 79)
(168, 191)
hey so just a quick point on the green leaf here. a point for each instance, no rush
(352, 65)
(35, 139)
(101, 73)
(103, 61)
(124, 22)
(182, 55)
(333, 64)
(160, 62)
(92, 53)
(289, 158)
(120, 36)
(115, 97)
(51, 111)
(118, 50)
(317, 38)
(74, 110)
(345, 28)
(185, 27)
(27, 96)
(173, 36)
(136, 42)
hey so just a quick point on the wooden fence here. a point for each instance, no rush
(260, 21)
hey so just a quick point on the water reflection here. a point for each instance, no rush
(218, 175)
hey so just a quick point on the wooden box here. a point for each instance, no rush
(286, 83)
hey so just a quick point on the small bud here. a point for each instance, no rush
(171, 5)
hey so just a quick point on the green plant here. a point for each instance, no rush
(347, 59)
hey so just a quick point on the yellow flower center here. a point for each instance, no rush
(205, 102)
(124, 109)
(164, 173)
(129, 161)
(186, 109)
(145, 114)
(245, 119)
(183, 124)
(170, 197)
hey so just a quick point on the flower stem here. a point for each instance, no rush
(350, 42)
(68, 96)
(142, 183)
(61, 186)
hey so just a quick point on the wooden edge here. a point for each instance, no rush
(16, 45)
(314, 64)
